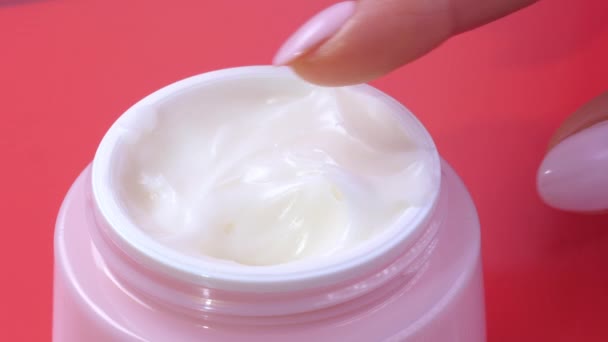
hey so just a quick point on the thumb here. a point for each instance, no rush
(356, 41)
(574, 174)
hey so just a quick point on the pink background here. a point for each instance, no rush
(491, 98)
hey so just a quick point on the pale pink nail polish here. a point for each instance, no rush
(317, 29)
(574, 174)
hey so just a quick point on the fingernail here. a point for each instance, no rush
(574, 174)
(316, 30)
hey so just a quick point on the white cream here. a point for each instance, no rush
(268, 171)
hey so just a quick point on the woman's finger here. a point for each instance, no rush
(356, 41)
(574, 174)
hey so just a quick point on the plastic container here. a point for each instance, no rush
(418, 281)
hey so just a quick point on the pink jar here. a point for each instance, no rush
(421, 281)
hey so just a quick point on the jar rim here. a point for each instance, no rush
(297, 275)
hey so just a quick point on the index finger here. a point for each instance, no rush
(356, 41)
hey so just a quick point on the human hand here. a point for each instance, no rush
(356, 41)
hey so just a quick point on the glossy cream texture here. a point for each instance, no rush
(265, 172)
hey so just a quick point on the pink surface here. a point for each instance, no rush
(434, 295)
(491, 98)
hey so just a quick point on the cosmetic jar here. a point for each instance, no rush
(418, 280)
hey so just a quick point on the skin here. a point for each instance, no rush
(383, 35)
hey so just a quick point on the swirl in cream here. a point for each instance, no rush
(264, 172)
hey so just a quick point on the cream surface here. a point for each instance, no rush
(264, 171)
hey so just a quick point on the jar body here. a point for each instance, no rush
(444, 303)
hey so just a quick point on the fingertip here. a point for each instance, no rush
(356, 41)
(331, 74)
(314, 32)
(369, 39)
(574, 174)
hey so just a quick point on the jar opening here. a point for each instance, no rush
(120, 227)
